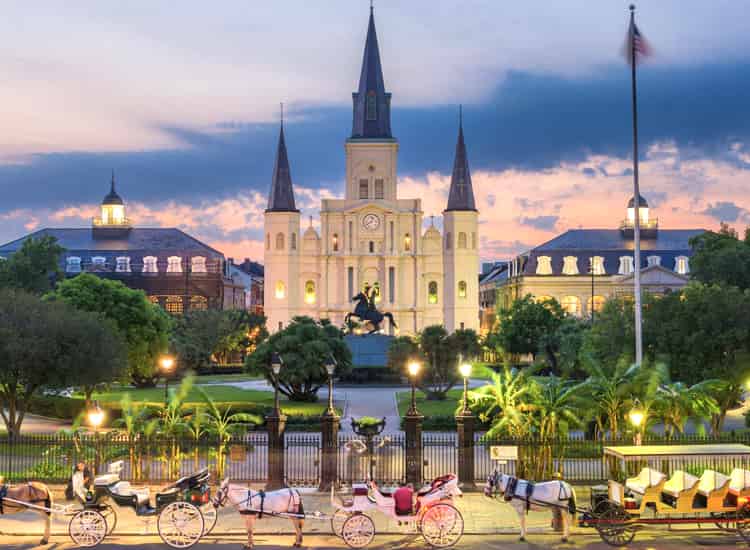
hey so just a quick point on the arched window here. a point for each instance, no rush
(407, 242)
(571, 305)
(626, 265)
(570, 265)
(462, 240)
(432, 292)
(280, 290)
(310, 292)
(376, 290)
(335, 242)
(173, 304)
(541, 299)
(543, 265)
(371, 247)
(268, 241)
(279, 241)
(150, 265)
(462, 289)
(174, 264)
(682, 265)
(448, 238)
(198, 264)
(596, 303)
(198, 303)
(293, 241)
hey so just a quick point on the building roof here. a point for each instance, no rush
(145, 239)
(251, 268)
(375, 124)
(281, 196)
(497, 274)
(461, 194)
(112, 197)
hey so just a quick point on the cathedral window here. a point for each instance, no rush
(122, 264)
(391, 284)
(310, 292)
(372, 247)
(364, 189)
(351, 235)
(544, 265)
(372, 106)
(571, 305)
(174, 264)
(681, 265)
(462, 289)
(198, 303)
(150, 265)
(335, 242)
(268, 241)
(654, 261)
(376, 291)
(596, 265)
(570, 265)
(280, 290)
(448, 238)
(474, 240)
(293, 241)
(392, 236)
(626, 265)
(173, 305)
(198, 265)
(73, 264)
(350, 280)
(379, 189)
(407, 242)
(462, 240)
(432, 292)
(279, 241)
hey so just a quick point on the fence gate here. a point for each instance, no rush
(440, 454)
(302, 459)
(383, 459)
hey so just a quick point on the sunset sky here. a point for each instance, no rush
(182, 101)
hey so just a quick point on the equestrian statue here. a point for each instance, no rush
(367, 312)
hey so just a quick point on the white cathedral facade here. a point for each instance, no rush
(372, 237)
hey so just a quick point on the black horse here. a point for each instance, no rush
(365, 313)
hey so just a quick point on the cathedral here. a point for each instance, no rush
(372, 238)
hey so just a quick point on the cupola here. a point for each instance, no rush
(648, 226)
(112, 221)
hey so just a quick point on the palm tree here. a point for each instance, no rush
(223, 425)
(139, 426)
(173, 424)
(196, 429)
(676, 403)
(611, 390)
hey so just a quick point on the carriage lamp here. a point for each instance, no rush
(465, 370)
(276, 363)
(636, 416)
(166, 364)
(413, 368)
(96, 416)
(330, 369)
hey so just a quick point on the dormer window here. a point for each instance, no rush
(150, 265)
(597, 265)
(98, 263)
(122, 264)
(653, 261)
(198, 264)
(73, 264)
(682, 265)
(626, 265)
(544, 265)
(570, 265)
(174, 264)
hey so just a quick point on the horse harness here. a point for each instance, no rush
(528, 491)
(262, 494)
(33, 494)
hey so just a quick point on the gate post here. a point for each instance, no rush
(414, 451)
(329, 450)
(276, 425)
(465, 429)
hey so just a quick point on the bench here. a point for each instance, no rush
(713, 487)
(679, 491)
(739, 482)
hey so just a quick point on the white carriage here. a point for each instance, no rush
(433, 515)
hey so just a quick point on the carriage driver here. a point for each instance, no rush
(81, 481)
(404, 499)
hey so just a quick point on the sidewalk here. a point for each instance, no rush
(481, 516)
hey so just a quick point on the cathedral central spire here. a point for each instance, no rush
(281, 196)
(372, 104)
(461, 194)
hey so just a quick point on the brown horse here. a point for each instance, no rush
(33, 493)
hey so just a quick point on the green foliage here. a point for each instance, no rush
(612, 336)
(56, 406)
(367, 421)
(212, 336)
(144, 326)
(721, 258)
(34, 268)
(305, 346)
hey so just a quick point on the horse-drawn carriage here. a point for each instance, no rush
(434, 516)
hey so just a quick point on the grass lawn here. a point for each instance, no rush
(220, 394)
(214, 378)
(446, 407)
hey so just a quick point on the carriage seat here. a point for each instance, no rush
(739, 482)
(105, 480)
(124, 489)
(711, 481)
(678, 483)
(647, 478)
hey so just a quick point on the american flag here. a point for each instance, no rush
(636, 41)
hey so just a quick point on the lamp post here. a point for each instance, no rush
(276, 423)
(465, 370)
(330, 369)
(276, 363)
(96, 418)
(465, 432)
(166, 364)
(413, 429)
(636, 417)
(413, 367)
(329, 424)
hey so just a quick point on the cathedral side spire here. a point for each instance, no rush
(461, 194)
(281, 196)
(372, 104)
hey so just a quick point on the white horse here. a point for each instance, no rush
(252, 504)
(525, 495)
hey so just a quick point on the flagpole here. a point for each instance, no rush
(636, 198)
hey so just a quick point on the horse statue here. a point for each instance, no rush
(525, 495)
(366, 311)
(251, 504)
(34, 493)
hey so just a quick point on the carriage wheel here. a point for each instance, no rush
(111, 516)
(728, 524)
(337, 521)
(442, 525)
(611, 522)
(743, 523)
(358, 531)
(87, 528)
(210, 515)
(180, 524)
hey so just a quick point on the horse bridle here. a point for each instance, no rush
(222, 495)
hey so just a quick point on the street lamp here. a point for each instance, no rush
(413, 368)
(330, 369)
(276, 363)
(96, 417)
(166, 364)
(465, 370)
(636, 416)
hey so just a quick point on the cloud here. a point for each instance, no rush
(545, 223)
(725, 211)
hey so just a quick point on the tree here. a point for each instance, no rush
(612, 337)
(204, 337)
(138, 424)
(144, 326)
(305, 346)
(610, 385)
(47, 346)
(721, 258)
(676, 402)
(34, 267)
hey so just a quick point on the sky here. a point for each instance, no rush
(182, 102)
